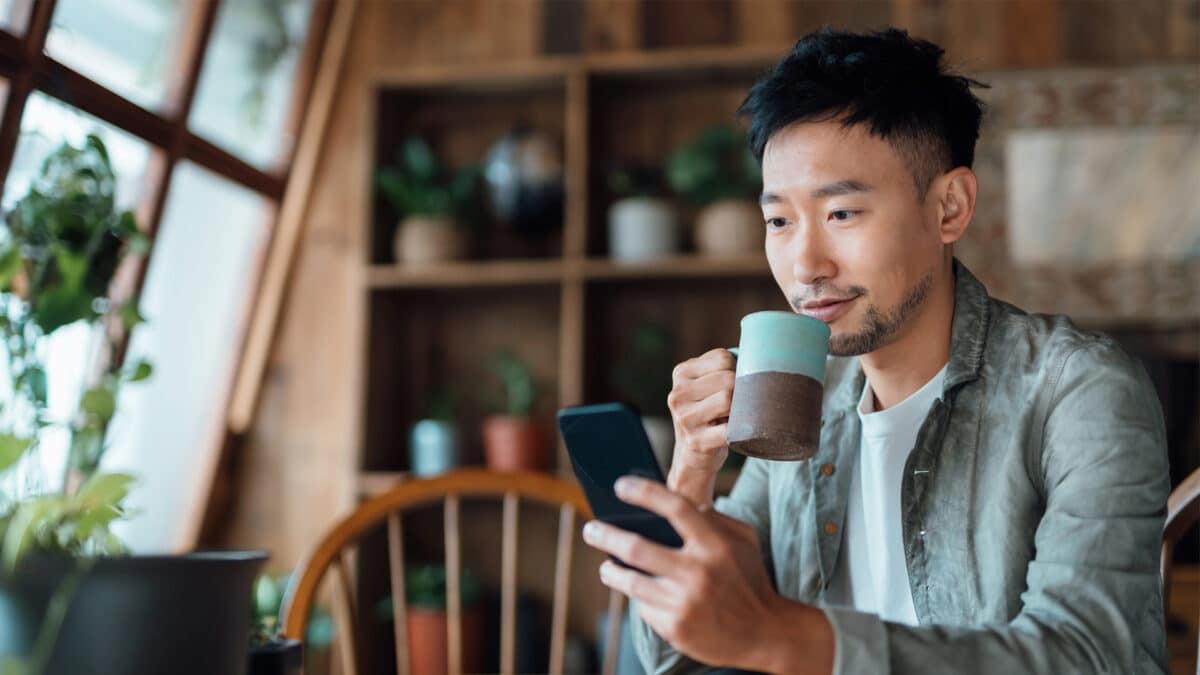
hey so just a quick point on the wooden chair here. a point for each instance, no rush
(1183, 514)
(332, 555)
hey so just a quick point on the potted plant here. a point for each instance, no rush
(425, 593)
(434, 203)
(433, 443)
(641, 226)
(717, 172)
(513, 440)
(270, 652)
(643, 376)
(61, 567)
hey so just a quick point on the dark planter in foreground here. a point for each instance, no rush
(137, 615)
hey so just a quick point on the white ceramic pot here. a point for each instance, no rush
(427, 239)
(730, 227)
(642, 228)
(661, 433)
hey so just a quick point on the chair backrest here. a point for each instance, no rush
(332, 555)
(1183, 514)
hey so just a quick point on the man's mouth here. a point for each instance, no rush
(827, 310)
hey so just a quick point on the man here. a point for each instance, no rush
(990, 488)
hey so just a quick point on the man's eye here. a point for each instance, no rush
(842, 214)
(775, 223)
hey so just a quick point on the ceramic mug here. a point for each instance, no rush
(780, 381)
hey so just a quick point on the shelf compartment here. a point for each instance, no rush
(421, 339)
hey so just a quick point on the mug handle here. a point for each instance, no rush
(733, 350)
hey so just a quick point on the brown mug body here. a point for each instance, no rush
(776, 416)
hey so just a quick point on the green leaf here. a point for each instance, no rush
(12, 447)
(141, 370)
(62, 306)
(130, 316)
(419, 159)
(100, 402)
(30, 516)
(35, 380)
(10, 264)
(87, 445)
(104, 490)
(95, 519)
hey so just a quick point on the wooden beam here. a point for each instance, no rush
(286, 237)
(22, 82)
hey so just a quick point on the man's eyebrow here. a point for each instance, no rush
(768, 198)
(841, 187)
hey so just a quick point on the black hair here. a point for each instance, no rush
(894, 84)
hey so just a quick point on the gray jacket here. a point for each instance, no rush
(1032, 508)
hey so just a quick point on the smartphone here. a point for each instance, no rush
(607, 441)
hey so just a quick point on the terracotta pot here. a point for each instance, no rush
(514, 444)
(427, 642)
(426, 239)
(730, 227)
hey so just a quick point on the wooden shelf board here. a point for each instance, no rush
(685, 266)
(502, 75)
(371, 483)
(684, 59)
(476, 273)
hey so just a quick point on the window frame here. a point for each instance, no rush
(28, 69)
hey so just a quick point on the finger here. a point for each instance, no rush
(714, 359)
(713, 407)
(707, 440)
(648, 590)
(634, 549)
(655, 497)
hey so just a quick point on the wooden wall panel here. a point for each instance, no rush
(612, 25)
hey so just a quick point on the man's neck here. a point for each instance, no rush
(904, 365)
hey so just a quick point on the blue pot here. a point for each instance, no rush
(433, 448)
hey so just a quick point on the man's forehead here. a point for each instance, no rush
(812, 154)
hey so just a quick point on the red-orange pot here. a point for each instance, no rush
(427, 641)
(514, 444)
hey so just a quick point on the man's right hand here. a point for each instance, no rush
(700, 398)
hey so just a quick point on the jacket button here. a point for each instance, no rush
(827, 469)
(831, 528)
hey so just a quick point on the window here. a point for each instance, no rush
(196, 102)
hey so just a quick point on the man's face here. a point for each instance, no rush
(848, 239)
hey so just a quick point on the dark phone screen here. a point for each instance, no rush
(607, 441)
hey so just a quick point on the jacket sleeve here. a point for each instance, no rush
(1093, 602)
(748, 502)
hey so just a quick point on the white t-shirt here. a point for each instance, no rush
(871, 574)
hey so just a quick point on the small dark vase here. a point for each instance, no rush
(137, 615)
(282, 657)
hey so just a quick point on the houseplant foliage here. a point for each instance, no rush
(717, 171)
(61, 245)
(512, 438)
(434, 203)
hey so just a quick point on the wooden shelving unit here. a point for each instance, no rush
(568, 308)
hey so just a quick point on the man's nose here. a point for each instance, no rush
(810, 257)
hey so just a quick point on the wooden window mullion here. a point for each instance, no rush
(22, 82)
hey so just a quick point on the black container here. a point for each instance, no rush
(137, 615)
(283, 657)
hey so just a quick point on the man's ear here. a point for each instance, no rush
(955, 191)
